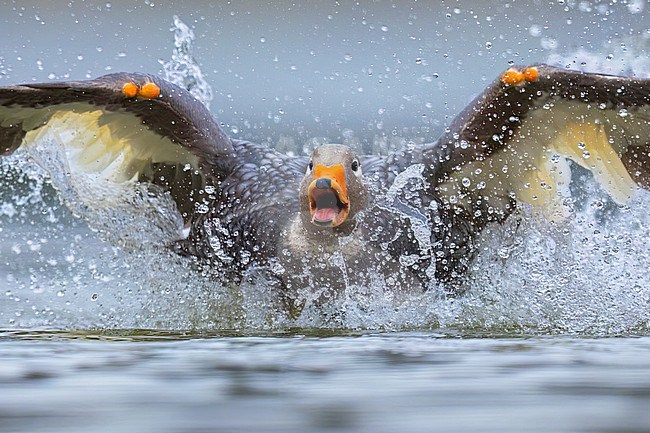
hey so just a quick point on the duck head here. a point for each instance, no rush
(332, 192)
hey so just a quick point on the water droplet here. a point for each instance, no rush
(418, 61)
(581, 145)
(384, 28)
(535, 30)
(549, 43)
(623, 112)
(94, 297)
(60, 293)
(466, 182)
(586, 154)
(488, 45)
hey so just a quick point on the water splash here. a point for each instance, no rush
(621, 56)
(588, 275)
(584, 275)
(183, 69)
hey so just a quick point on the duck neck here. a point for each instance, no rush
(303, 236)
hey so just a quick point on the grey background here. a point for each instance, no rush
(332, 69)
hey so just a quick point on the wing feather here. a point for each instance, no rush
(513, 142)
(106, 151)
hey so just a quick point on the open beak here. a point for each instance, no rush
(328, 196)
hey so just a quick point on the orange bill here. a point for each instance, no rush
(328, 196)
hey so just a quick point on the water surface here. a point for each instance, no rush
(366, 382)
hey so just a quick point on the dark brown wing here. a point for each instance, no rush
(511, 144)
(106, 150)
(513, 141)
(174, 115)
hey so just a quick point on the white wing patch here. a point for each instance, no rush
(589, 145)
(95, 159)
(533, 166)
(114, 146)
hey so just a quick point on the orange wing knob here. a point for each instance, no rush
(531, 74)
(130, 90)
(149, 91)
(512, 77)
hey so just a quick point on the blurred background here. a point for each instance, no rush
(290, 74)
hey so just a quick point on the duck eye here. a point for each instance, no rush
(311, 165)
(355, 165)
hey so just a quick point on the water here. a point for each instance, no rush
(408, 382)
(552, 334)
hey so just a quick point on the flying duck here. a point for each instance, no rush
(144, 161)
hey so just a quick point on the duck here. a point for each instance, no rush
(145, 162)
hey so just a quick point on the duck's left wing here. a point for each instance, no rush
(129, 152)
(513, 141)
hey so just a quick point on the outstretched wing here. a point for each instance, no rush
(118, 143)
(513, 141)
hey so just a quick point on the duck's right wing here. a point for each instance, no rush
(130, 152)
(512, 143)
